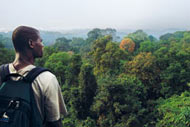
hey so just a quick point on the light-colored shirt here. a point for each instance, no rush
(47, 93)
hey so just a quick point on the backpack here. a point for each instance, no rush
(17, 103)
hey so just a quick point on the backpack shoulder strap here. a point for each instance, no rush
(36, 120)
(4, 71)
(34, 73)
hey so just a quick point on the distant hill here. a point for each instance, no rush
(153, 32)
(49, 37)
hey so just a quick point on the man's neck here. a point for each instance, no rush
(22, 61)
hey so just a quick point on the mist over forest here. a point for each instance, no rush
(49, 37)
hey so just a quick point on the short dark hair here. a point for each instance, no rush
(21, 36)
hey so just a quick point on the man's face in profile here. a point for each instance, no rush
(38, 47)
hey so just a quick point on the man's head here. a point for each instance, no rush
(27, 39)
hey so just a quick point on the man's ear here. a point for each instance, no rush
(31, 44)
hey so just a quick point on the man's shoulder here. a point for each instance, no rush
(45, 80)
(46, 75)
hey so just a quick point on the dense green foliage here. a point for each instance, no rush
(106, 86)
(6, 42)
(6, 55)
(174, 111)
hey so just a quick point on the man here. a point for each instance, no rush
(47, 93)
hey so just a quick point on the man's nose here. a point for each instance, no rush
(42, 44)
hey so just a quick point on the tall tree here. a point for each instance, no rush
(117, 103)
(87, 88)
(58, 63)
(138, 37)
(127, 44)
(107, 56)
(62, 44)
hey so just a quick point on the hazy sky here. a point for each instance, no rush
(75, 14)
